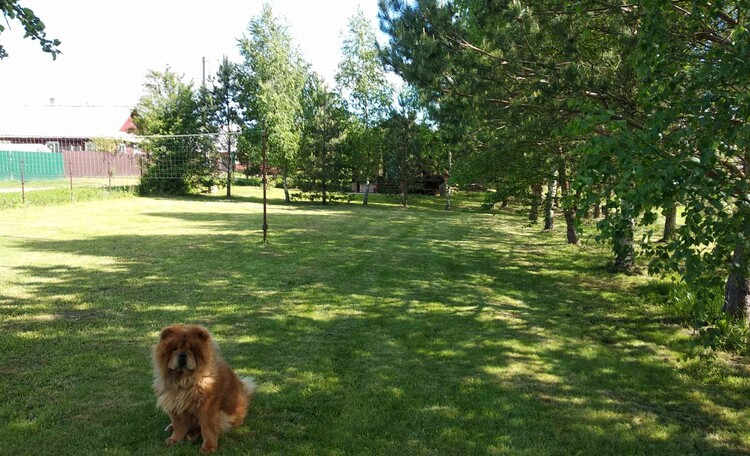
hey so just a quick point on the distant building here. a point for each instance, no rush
(92, 141)
(64, 127)
(23, 147)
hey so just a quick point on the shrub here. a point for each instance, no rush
(253, 181)
(700, 306)
(313, 196)
(178, 165)
(697, 305)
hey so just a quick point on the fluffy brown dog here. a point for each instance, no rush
(196, 387)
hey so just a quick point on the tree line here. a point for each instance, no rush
(320, 139)
(637, 109)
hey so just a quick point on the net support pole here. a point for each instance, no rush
(447, 182)
(265, 184)
(70, 171)
(23, 184)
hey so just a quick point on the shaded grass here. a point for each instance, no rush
(370, 330)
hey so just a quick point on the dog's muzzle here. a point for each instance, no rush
(182, 360)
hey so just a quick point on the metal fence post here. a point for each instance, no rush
(23, 184)
(70, 170)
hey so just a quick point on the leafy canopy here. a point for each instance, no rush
(33, 27)
(272, 76)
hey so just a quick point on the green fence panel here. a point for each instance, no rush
(36, 165)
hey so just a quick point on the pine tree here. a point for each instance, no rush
(224, 114)
(323, 152)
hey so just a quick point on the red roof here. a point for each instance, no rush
(128, 126)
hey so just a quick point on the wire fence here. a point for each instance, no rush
(39, 165)
(44, 168)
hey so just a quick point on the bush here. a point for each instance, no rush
(700, 307)
(253, 181)
(178, 166)
(313, 196)
(726, 334)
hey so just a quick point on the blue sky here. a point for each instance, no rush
(108, 47)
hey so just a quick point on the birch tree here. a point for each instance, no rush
(361, 78)
(272, 78)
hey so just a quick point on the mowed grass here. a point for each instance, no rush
(370, 331)
(55, 192)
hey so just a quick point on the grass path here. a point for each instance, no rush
(371, 331)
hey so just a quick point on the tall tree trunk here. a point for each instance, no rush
(605, 205)
(536, 201)
(737, 290)
(569, 205)
(597, 210)
(570, 225)
(285, 183)
(229, 184)
(230, 172)
(549, 203)
(624, 240)
(367, 192)
(586, 214)
(670, 222)
(325, 193)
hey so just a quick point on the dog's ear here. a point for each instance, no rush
(202, 333)
(166, 332)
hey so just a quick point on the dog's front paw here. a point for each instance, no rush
(170, 441)
(208, 448)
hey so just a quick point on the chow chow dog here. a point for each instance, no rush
(202, 395)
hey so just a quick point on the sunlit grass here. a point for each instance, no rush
(370, 330)
(49, 193)
(117, 181)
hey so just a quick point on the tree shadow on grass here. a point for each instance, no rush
(393, 333)
(464, 204)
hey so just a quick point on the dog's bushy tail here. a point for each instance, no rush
(249, 384)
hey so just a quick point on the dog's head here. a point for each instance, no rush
(183, 350)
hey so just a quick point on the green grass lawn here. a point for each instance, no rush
(370, 331)
(54, 192)
(78, 182)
